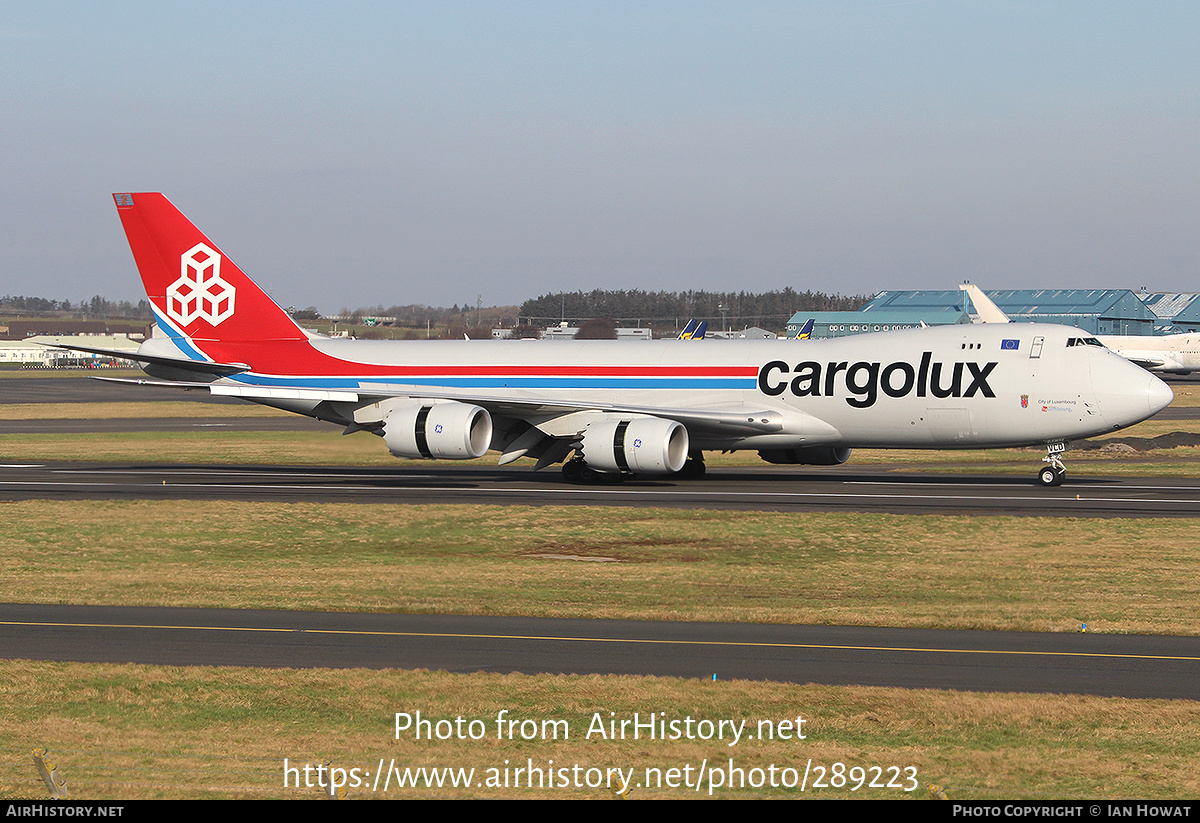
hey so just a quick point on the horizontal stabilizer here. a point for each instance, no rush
(201, 366)
(247, 392)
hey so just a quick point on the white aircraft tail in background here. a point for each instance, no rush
(985, 309)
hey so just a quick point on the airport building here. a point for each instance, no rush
(1176, 312)
(39, 351)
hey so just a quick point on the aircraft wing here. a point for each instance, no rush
(248, 392)
(530, 408)
(1146, 362)
(202, 366)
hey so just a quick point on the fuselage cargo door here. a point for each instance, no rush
(950, 425)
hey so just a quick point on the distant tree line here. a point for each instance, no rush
(22, 306)
(769, 310)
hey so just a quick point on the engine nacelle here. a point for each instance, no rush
(643, 445)
(441, 431)
(807, 455)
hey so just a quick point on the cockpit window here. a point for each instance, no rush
(1083, 341)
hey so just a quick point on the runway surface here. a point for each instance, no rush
(758, 489)
(1108, 665)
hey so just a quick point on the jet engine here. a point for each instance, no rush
(643, 445)
(442, 431)
(807, 455)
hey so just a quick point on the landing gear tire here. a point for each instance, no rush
(1050, 476)
(1052, 473)
(693, 469)
(576, 470)
(573, 469)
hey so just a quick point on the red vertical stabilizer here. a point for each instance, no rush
(191, 282)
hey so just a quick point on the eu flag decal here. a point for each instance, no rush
(1010, 345)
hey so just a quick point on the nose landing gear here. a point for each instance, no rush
(1052, 474)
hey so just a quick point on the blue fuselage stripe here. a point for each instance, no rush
(182, 343)
(582, 383)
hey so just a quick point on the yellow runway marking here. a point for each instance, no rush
(550, 638)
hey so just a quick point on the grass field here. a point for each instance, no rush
(1020, 573)
(154, 732)
(121, 732)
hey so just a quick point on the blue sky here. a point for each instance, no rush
(392, 153)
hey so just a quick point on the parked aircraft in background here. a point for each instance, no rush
(602, 408)
(1167, 353)
(806, 330)
(694, 330)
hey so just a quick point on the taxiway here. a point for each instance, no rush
(1109, 665)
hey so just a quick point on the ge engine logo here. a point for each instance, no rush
(200, 291)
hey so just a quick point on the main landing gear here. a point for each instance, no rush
(693, 467)
(1052, 474)
(576, 470)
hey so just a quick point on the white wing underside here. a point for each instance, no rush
(539, 411)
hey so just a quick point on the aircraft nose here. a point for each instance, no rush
(1159, 395)
(1127, 392)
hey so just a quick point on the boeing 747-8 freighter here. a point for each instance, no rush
(607, 408)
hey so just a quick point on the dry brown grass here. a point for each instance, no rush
(1136, 576)
(242, 448)
(127, 732)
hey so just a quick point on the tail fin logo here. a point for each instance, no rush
(200, 292)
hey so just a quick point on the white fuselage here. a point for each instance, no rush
(944, 387)
(627, 407)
